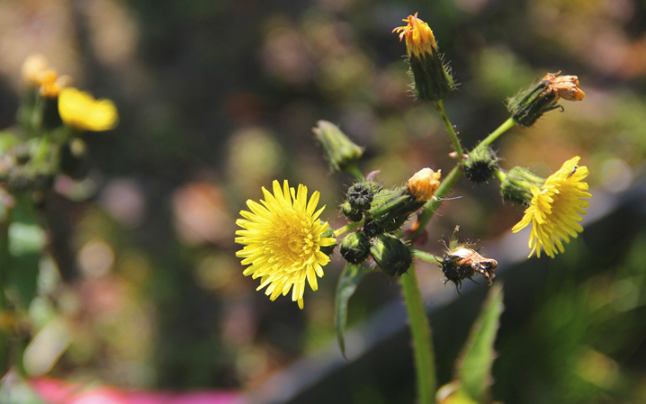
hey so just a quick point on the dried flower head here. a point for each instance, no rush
(283, 237)
(80, 110)
(567, 87)
(555, 209)
(461, 262)
(424, 183)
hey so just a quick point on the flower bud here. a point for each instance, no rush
(340, 152)
(529, 105)
(355, 247)
(370, 229)
(516, 185)
(391, 208)
(391, 254)
(461, 262)
(32, 67)
(328, 250)
(360, 194)
(424, 183)
(432, 78)
(352, 214)
(481, 164)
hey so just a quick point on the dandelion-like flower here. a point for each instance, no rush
(556, 209)
(80, 110)
(419, 36)
(283, 237)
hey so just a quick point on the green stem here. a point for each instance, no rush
(355, 171)
(500, 175)
(508, 124)
(347, 227)
(450, 130)
(4, 268)
(421, 334)
(424, 256)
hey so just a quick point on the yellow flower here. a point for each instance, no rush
(555, 209)
(419, 36)
(283, 239)
(51, 84)
(33, 66)
(80, 110)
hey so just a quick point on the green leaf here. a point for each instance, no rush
(348, 282)
(474, 365)
(26, 241)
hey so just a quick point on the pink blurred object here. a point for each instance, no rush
(53, 391)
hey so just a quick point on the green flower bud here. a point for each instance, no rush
(516, 185)
(355, 247)
(352, 214)
(481, 164)
(339, 151)
(391, 208)
(360, 194)
(328, 250)
(529, 105)
(392, 256)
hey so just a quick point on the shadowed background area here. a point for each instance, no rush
(217, 99)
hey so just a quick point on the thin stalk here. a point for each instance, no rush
(508, 124)
(421, 333)
(347, 227)
(424, 256)
(355, 171)
(449, 128)
(4, 268)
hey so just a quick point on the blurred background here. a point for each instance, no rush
(141, 288)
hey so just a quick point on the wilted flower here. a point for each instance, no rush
(51, 84)
(555, 209)
(283, 237)
(433, 81)
(461, 261)
(424, 183)
(567, 87)
(80, 110)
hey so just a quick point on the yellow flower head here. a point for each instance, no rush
(424, 183)
(80, 110)
(555, 209)
(419, 36)
(283, 237)
(32, 67)
(51, 84)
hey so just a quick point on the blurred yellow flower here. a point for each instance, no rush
(80, 110)
(555, 209)
(32, 67)
(283, 238)
(51, 84)
(419, 36)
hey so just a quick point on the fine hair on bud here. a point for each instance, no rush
(481, 165)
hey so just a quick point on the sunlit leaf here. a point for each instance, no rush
(348, 281)
(474, 365)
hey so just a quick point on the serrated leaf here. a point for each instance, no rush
(348, 282)
(474, 365)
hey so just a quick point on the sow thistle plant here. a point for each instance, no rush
(286, 242)
(45, 142)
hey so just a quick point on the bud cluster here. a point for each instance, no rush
(383, 212)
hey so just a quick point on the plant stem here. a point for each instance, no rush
(424, 256)
(421, 333)
(4, 268)
(347, 227)
(355, 171)
(450, 130)
(508, 124)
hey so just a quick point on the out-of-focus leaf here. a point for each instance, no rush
(452, 393)
(348, 281)
(26, 240)
(7, 140)
(474, 365)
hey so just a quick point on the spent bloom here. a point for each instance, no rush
(555, 209)
(567, 87)
(283, 237)
(51, 84)
(424, 183)
(419, 37)
(80, 110)
(432, 79)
